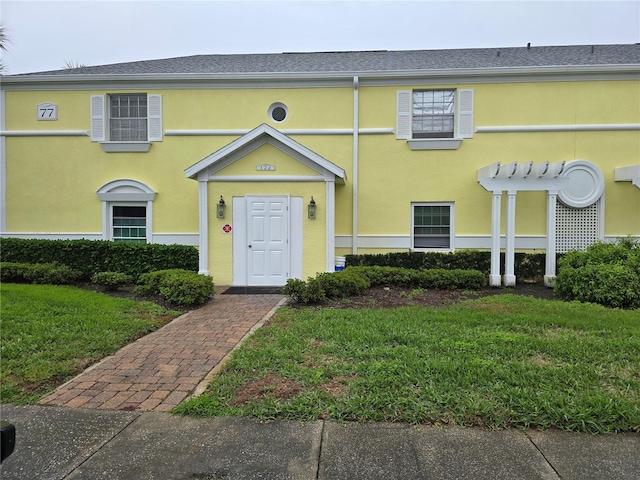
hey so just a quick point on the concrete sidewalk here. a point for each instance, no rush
(68, 443)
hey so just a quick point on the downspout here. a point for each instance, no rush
(354, 228)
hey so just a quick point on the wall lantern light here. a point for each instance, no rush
(220, 208)
(311, 209)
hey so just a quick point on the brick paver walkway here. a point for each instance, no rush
(161, 369)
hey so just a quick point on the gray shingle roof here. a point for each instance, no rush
(371, 61)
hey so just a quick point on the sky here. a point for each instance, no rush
(47, 34)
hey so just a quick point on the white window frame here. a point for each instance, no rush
(463, 120)
(123, 98)
(451, 246)
(101, 123)
(448, 112)
(125, 193)
(112, 226)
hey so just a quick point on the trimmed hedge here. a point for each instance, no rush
(606, 273)
(176, 286)
(528, 266)
(356, 280)
(92, 256)
(41, 273)
(111, 281)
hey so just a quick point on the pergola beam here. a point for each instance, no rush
(628, 174)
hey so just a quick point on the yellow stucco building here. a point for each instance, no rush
(274, 164)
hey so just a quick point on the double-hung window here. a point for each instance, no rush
(433, 113)
(127, 211)
(128, 117)
(431, 119)
(432, 225)
(129, 223)
(126, 122)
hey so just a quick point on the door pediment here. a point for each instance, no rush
(235, 162)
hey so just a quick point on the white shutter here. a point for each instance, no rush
(465, 113)
(403, 114)
(97, 118)
(155, 118)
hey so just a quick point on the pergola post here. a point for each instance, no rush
(495, 280)
(510, 250)
(550, 263)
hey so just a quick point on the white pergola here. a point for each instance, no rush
(628, 174)
(513, 178)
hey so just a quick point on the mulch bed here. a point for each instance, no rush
(393, 297)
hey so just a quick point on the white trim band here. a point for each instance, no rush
(266, 178)
(44, 133)
(300, 131)
(161, 238)
(461, 242)
(559, 128)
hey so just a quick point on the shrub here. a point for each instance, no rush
(298, 291)
(12, 272)
(376, 275)
(339, 284)
(93, 256)
(605, 273)
(528, 266)
(111, 281)
(180, 287)
(441, 279)
(356, 280)
(610, 285)
(187, 288)
(41, 273)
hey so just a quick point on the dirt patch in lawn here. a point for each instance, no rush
(272, 385)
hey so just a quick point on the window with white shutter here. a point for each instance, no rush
(126, 122)
(433, 119)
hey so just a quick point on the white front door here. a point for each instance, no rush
(268, 258)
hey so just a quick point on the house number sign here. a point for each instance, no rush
(47, 111)
(265, 167)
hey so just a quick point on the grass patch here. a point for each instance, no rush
(51, 333)
(501, 361)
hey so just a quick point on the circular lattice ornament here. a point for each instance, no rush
(585, 186)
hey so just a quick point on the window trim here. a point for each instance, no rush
(435, 134)
(100, 124)
(434, 143)
(125, 193)
(130, 103)
(111, 236)
(463, 120)
(278, 105)
(451, 246)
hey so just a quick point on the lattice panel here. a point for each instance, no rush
(576, 228)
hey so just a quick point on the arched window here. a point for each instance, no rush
(127, 211)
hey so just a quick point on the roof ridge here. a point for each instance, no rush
(370, 60)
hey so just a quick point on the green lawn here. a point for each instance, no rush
(502, 361)
(51, 333)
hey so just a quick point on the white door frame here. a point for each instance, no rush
(276, 259)
(241, 233)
